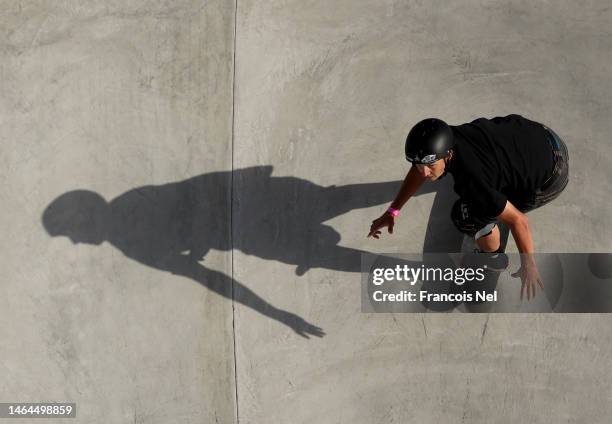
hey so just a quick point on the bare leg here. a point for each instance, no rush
(490, 242)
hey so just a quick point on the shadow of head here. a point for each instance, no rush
(80, 215)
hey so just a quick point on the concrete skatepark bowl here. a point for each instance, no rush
(237, 153)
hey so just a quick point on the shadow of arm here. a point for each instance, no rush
(345, 198)
(232, 289)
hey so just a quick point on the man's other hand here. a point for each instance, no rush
(530, 280)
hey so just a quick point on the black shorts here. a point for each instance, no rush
(471, 223)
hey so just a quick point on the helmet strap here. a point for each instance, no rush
(447, 159)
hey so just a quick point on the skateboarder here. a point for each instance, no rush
(502, 168)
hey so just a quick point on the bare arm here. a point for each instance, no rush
(411, 184)
(519, 226)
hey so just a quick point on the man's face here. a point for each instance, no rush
(433, 171)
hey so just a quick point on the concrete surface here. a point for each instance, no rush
(119, 99)
(221, 191)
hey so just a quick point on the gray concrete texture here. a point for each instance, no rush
(219, 164)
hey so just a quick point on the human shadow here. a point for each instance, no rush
(171, 227)
(282, 218)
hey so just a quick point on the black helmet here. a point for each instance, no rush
(428, 141)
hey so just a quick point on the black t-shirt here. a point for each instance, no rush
(499, 159)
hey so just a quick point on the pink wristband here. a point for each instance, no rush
(394, 212)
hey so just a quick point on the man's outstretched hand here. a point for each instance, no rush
(530, 280)
(386, 220)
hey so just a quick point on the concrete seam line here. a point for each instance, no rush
(237, 415)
